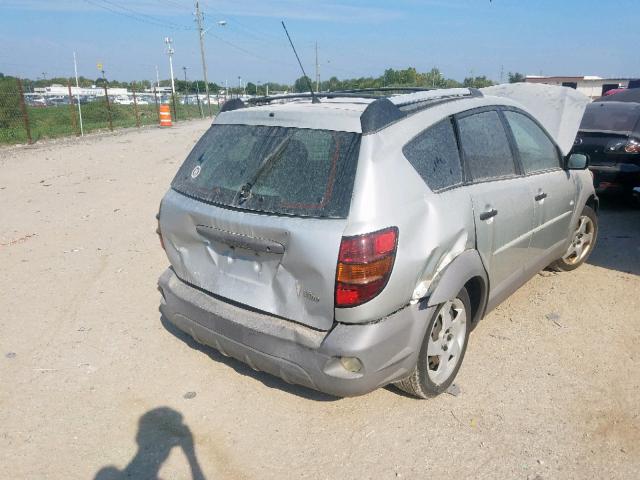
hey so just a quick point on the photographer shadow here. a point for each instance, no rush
(159, 431)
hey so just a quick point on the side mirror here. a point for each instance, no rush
(577, 161)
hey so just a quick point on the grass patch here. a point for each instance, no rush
(53, 122)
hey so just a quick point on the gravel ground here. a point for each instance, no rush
(91, 378)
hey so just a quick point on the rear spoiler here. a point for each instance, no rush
(558, 109)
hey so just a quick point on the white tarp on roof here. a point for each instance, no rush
(558, 109)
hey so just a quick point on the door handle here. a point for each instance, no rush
(540, 196)
(488, 214)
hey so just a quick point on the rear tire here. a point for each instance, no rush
(442, 350)
(582, 242)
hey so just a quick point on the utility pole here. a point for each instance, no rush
(157, 77)
(198, 15)
(170, 52)
(501, 73)
(75, 69)
(317, 70)
(186, 91)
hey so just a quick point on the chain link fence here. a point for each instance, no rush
(26, 117)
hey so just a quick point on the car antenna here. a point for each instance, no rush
(314, 99)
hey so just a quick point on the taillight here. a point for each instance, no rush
(364, 266)
(159, 232)
(632, 146)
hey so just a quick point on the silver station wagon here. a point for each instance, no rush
(349, 240)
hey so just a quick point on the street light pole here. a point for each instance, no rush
(170, 52)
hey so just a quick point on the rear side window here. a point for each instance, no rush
(485, 146)
(537, 151)
(279, 170)
(434, 154)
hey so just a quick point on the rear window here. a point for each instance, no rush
(611, 117)
(281, 170)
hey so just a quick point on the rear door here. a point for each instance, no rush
(503, 207)
(551, 188)
(256, 215)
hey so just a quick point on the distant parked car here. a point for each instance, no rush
(57, 101)
(630, 95)
(123, 100)
(37, 102)
(610, 135)
(613, 91)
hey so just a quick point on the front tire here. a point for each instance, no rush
(443, 349)
(582, 243)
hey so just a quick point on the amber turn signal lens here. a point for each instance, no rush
(364, 273)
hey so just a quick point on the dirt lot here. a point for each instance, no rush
(91, 378)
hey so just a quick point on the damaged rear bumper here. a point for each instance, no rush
(387, 349)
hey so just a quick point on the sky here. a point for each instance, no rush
(355, 38)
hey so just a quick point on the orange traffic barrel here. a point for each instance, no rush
(165, 116)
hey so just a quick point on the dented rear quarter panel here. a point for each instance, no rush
(434, 228)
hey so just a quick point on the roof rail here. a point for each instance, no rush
(434, 96)
(296, 96)
(414, 95)
(385, 89)
(385, 109)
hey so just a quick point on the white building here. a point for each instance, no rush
(591, 86)
(63, 90)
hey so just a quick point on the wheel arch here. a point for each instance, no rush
(467, 271)
(594, 202)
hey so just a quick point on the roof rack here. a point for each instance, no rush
(296, 96)
(423, 96)
(386, 89)
(385, 109)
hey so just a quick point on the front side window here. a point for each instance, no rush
(485, 146)
(434, 154)
(282, 170)
(537, 151)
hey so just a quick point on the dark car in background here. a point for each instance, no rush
(610, 135)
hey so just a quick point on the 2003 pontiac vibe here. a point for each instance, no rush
(355, 241)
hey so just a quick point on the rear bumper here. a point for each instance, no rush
(620, 176)
(388, 349)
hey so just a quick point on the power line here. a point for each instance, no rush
(247, 52)
(252, 31)
(140, 17)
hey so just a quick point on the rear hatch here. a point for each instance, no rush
(600, 146)
(256, 214)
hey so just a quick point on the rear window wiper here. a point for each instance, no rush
(245, 191)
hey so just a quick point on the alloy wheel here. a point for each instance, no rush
(446, 341)
(582, 241)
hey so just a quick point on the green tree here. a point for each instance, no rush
(478, 82)
(301, 85)
(516, 77)
(251, 88)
